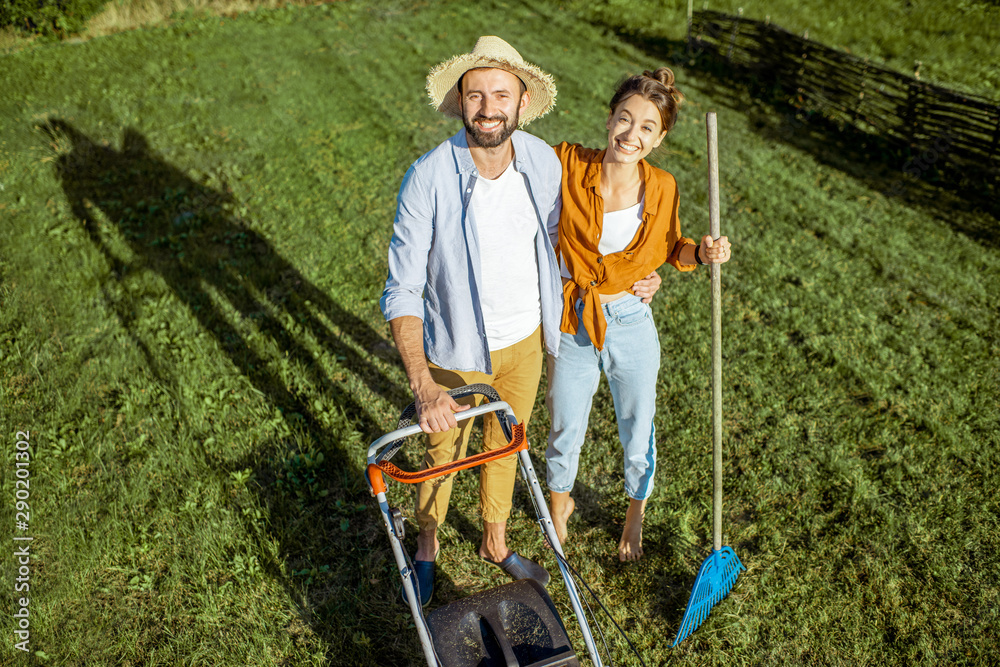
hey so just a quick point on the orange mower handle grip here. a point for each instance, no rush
(375, 470)
(391, 441)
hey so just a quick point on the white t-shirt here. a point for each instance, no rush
(507, 223)
(618, 228)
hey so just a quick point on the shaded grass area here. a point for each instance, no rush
(193, 249)
(951, 45)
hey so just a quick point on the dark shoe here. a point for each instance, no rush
(424, 569)
(520, 567)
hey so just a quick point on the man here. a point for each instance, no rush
(474, 286)
(473, 279)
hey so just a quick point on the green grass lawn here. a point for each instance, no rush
(193, 232)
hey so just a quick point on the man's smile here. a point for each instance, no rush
(487, 124)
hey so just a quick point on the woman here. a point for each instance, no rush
(618, 223)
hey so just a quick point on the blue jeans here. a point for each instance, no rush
(630, 360)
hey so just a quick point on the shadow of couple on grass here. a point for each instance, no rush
(233, 281)
(227, 274)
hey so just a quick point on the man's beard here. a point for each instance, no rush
(490, 139)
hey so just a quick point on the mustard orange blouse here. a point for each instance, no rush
(658, 239)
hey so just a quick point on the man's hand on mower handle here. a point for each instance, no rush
(436, 409)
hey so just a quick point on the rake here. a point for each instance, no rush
(719, 571)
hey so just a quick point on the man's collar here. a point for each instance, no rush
(463, 156)
(460, 147)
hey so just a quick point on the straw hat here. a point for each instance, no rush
(442, 81)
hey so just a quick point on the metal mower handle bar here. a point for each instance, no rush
(459, 392)
(400, 434)
(406, 417)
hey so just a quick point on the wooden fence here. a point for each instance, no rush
(957, 133)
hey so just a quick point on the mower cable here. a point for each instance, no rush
(593, 617)
(577, 577)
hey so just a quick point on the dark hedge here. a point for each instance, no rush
(51, 18)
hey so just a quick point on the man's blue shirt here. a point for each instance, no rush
(434, 252)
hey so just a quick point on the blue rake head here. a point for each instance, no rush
(714, 581)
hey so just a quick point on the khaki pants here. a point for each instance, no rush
(517, 370)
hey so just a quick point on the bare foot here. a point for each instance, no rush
(494, 545)
(561, 508)
(630, 546)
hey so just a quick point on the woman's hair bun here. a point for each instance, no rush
(664, 75)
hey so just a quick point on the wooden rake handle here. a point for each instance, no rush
(715, 271)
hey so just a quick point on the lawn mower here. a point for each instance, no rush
(512, 625)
